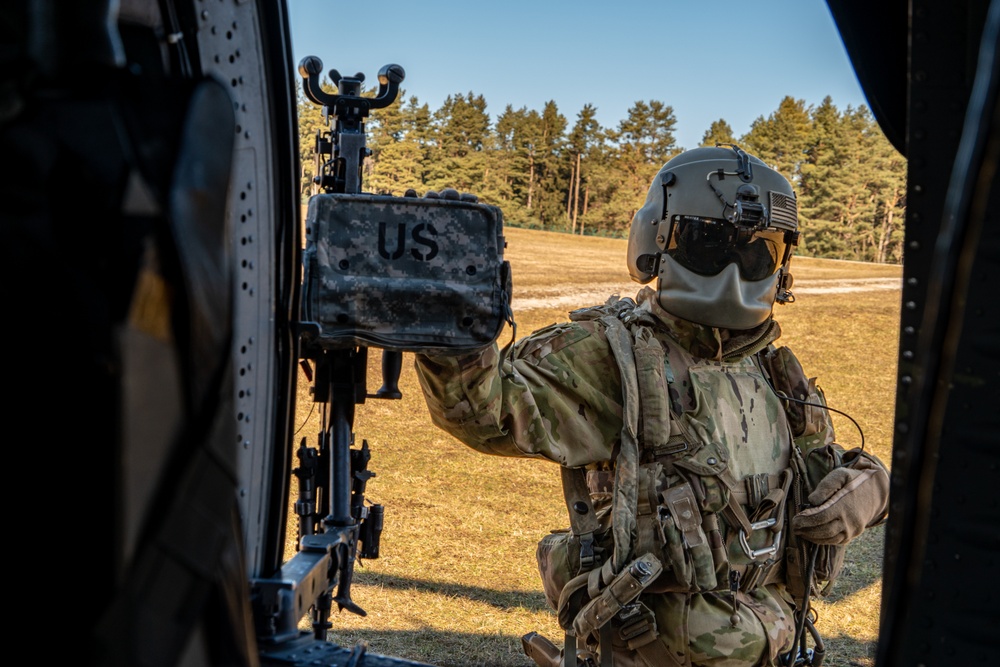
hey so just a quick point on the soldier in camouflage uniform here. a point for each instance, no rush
(707, 497)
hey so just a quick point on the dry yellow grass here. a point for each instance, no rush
(457, 583)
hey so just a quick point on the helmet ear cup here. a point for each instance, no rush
(645, 239)
(647, 263)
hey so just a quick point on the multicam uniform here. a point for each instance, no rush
(720, 445)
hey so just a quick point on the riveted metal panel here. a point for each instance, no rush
(942, 532)
(243, 43)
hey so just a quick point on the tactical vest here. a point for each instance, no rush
(695, 501)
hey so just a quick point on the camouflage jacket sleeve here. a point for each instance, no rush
(557, 396)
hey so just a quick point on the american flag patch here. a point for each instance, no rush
(784, 211)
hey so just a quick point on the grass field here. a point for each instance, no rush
(457, 583)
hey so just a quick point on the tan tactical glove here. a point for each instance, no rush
(845, 502)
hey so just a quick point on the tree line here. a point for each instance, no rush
(589, 179)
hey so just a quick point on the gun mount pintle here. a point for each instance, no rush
(344, 147)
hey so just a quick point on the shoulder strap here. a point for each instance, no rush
(662, 432)
(624, 500)
(783, 371)
(615, 306)
(641, 362)
(583, 520)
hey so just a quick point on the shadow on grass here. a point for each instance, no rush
(501, 599)
(456, 649)
(440, 648)
(845, 651)
(862, 565)
(862, 568)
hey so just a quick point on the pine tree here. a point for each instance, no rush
(641, 144)
(880, 232)
(583, 142)
(718, 133)
(552, 171)
(604, 177)
(851, 189)
(825, 185)
(781, 139)
(890, 190)
(420, 130)
(519, 138)
(502, 168)
(461, 133)
(647, 135)
(395, 161)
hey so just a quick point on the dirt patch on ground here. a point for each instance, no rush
(845, 285)
(566, 296)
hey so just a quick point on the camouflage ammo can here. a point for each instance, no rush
(404, 273)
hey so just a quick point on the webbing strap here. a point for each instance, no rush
(607, 655)
(636, 626)
(734, 511)
(623, 504)
(582, 518)
(569, 651)
(656, 654)
(650, 363)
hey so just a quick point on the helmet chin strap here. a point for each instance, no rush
(724, 300)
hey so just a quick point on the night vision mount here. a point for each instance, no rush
(747, 213)
(345, 149)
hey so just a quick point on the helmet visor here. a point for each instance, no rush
(707, 245)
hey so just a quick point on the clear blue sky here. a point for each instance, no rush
(708, 59)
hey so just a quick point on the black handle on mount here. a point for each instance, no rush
(389, 78)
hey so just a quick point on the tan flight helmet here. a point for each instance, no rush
(717, 230)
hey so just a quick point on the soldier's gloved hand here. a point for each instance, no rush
(845, 502)
(447, 193)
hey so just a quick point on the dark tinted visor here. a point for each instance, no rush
(707, 246)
